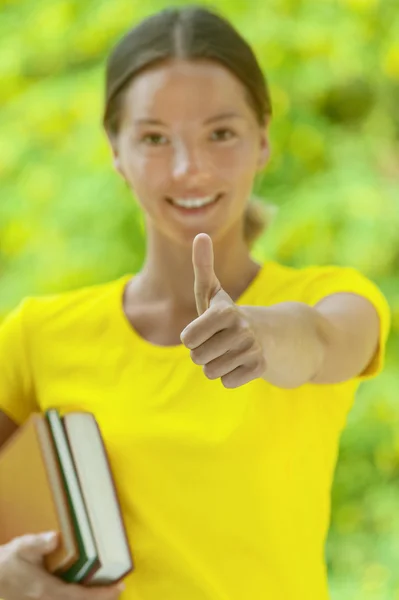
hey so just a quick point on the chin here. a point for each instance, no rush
(186, 237)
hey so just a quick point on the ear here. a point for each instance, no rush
(115, 155)
(264, 147)
(117, 165)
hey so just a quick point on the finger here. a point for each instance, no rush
(243, 374)
(80, 592)
(32, 548)
(246, 355)
(223, 365)
(230, 339)
(208, 324)
(56, 588)
(206, 284)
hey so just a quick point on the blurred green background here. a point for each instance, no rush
(67, 220)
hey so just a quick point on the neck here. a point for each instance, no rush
(167, 276)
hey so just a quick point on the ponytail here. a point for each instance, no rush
(257, 218)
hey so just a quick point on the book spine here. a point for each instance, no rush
(117, 503)
(83, 566)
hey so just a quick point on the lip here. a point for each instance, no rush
(194, 193)
(195, 210)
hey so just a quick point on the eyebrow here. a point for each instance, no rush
(222, 116)
(228, 115)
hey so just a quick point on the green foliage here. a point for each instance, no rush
(66, 220)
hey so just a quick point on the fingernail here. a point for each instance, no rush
(49, 536)
(120, 587)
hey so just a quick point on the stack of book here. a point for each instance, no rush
(55, 476)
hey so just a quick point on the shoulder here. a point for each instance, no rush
(86, 303)
(286, 279)
(298, 275)
(310, 284)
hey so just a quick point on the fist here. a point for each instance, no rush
(222, 339)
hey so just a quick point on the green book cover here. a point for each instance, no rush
(88, 556)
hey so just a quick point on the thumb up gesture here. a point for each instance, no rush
(222, 339)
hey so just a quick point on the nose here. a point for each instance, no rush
(189, 161)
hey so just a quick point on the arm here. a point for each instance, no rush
(17, 391)
(7, 428)
(351, 339)
(326, 344)
(288, 344)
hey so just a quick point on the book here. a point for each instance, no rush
(32, 496)
(87, 560)
(99, 506)
(65, 460)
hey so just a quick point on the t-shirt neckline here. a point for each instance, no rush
(130, 332)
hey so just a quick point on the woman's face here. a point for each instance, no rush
(189, 136)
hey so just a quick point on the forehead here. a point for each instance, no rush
(185, 89)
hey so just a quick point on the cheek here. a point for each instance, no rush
(238, 161)
(147, 173)
(238, 169)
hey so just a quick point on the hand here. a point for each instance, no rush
(23, 576)
(222, 339)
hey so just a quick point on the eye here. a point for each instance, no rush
(222, 135)
(154, 139)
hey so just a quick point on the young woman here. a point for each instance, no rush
(221, 385)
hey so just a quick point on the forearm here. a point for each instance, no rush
(301, 345)
(294, 338)
(352, 335)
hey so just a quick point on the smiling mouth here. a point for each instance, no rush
(194, 204)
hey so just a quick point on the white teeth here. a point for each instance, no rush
(193, 202)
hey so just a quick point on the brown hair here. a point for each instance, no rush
(192, 33)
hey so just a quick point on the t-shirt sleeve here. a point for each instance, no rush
(333, 280)
(17, 395)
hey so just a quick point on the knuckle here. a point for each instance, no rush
(13, 549)
(261, 364)
(225, 311)
(195, 357)
(228, 382)
(210, 372)
(12, 546)
(36, 590)
(8, 563)
(245, 338)
(19, 543)
(23, 546)
(186, 341)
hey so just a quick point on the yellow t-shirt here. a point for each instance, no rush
(225, 493)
